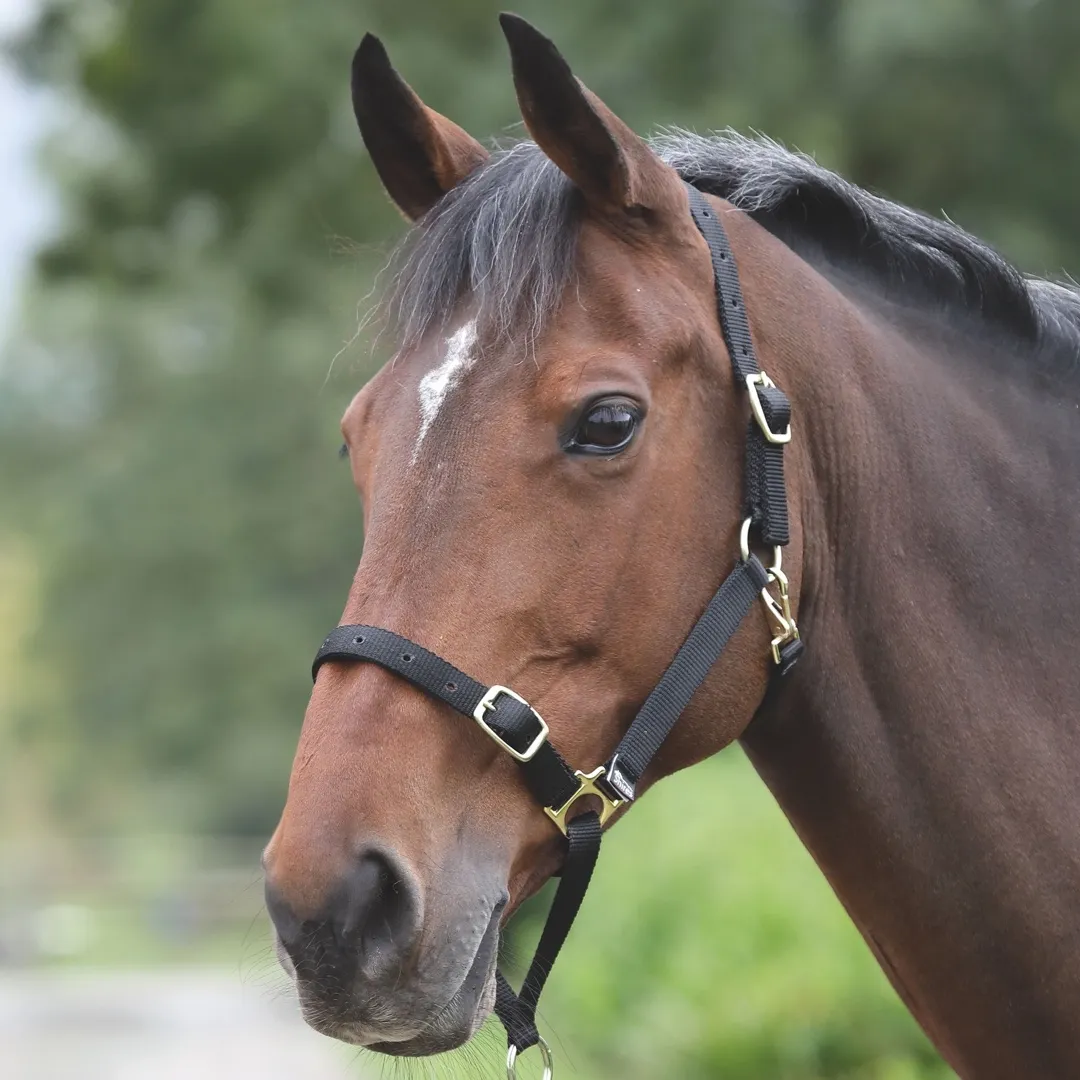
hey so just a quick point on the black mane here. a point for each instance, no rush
(507, 236)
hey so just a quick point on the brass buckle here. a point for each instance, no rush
(487, 704)
(781, 621)
(545, 1057)
(752, 384)
(586, 786)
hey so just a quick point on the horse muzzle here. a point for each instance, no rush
(369, 971)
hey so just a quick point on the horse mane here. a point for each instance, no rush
(506, 237)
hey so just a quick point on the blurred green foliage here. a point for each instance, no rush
(176, 535)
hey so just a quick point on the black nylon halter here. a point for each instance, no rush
(521, 732)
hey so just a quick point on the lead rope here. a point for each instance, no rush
(517, 1012)
(521, 732)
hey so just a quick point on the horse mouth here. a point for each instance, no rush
(391, 1022)
(455, 1023)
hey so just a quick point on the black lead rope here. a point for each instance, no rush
(517, 1012)
(522, 733)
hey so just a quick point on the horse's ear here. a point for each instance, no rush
(419, 154)
(611, 164)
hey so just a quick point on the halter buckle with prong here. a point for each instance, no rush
(754, 384)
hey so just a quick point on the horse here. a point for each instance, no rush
(550, 475)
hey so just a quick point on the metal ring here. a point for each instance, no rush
(744, 548)
(744, 540)
(545, 1057)
(777, 561)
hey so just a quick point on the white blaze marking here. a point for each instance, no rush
(436, 384)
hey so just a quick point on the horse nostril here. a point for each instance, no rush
(286, 922)
(372, 913)
(365, 895)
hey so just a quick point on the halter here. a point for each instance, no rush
(519, 730)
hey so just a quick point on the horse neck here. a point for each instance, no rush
(927, 736)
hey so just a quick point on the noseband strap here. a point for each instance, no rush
(569, 797)
(505, 718)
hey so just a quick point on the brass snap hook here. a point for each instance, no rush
(781, 621)
(777, 611)
(545, 1057)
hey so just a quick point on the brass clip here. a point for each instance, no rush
(586, 786)
(781, 621)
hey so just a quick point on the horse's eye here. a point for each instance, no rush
(606, 428)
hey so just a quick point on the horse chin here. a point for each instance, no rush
(374, 1025)
(453, 1027)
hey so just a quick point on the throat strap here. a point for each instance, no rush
(693, 662)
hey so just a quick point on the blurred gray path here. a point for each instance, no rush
(162, 1025)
